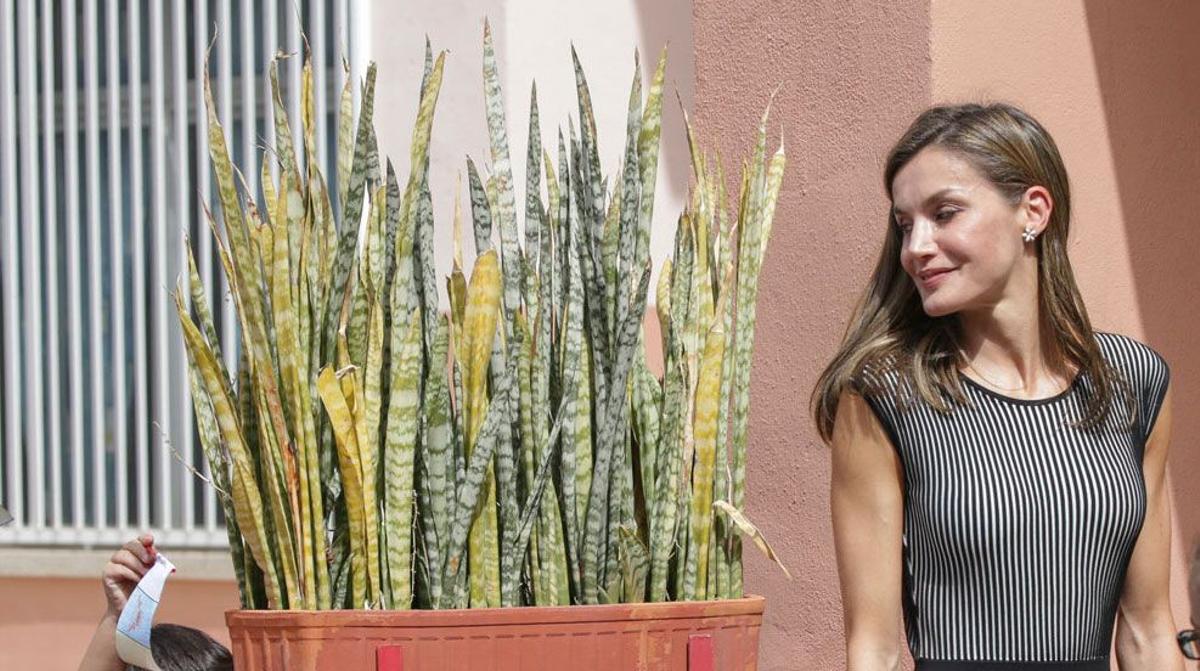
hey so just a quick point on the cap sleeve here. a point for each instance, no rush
(876, 386)
(1157, 377)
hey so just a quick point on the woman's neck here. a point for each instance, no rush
(1014, 356)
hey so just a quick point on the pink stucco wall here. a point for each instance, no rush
(46, 623)
(1114, 84)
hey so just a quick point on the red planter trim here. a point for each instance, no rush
(483, 617)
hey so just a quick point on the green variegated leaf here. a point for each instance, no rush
(270, 197)
(392, 233)
(284, 148)
(374, 253)
(523, 347)
(368, 412)
(422, 129)
(533, 186)
(635, 563)
(470, 498)
(504, 210)
(751, 245)
(648, 147)
(308, 113)
(481, 211)
(506, 478)
(482, 311)
(352, 208)
(287, 344)
(403, 408)
(647, 401)
(592, 181)
(200, 304)
(216, 454)
(247, 501)
(670, 482)
(437, 455)
(344, 430)
(630, 194)
(425, 272)
(708, 395)
(345, 145)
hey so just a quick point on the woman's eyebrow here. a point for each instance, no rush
(935, 196)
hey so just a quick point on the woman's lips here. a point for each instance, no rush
(936, 279)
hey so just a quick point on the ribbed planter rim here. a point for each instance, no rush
(750, 604)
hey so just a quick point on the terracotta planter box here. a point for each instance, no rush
(683, 636)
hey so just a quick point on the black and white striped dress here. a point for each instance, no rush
(1018, 528)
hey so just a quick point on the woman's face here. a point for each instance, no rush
(952, 219)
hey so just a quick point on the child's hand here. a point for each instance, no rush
(124, 569)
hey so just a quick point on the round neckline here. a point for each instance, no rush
(1024, 401)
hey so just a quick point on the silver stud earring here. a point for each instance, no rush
(1028, 235)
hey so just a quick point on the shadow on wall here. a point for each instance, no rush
(1150, 90)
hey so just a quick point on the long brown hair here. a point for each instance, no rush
(889, 327)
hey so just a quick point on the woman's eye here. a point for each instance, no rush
(946, 215)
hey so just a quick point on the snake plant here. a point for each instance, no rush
(376, 449)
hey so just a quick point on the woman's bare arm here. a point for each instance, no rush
(868, 515)
(1145, 627)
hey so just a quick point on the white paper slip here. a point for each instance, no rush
(133, 628)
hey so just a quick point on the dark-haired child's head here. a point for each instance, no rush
(179, 648)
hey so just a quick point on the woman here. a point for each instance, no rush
(174, 647)
(998, 465)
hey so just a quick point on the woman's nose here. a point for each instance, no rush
(920, 237)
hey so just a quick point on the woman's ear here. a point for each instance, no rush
(1035, 207)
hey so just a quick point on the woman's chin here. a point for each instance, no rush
(936, 306)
